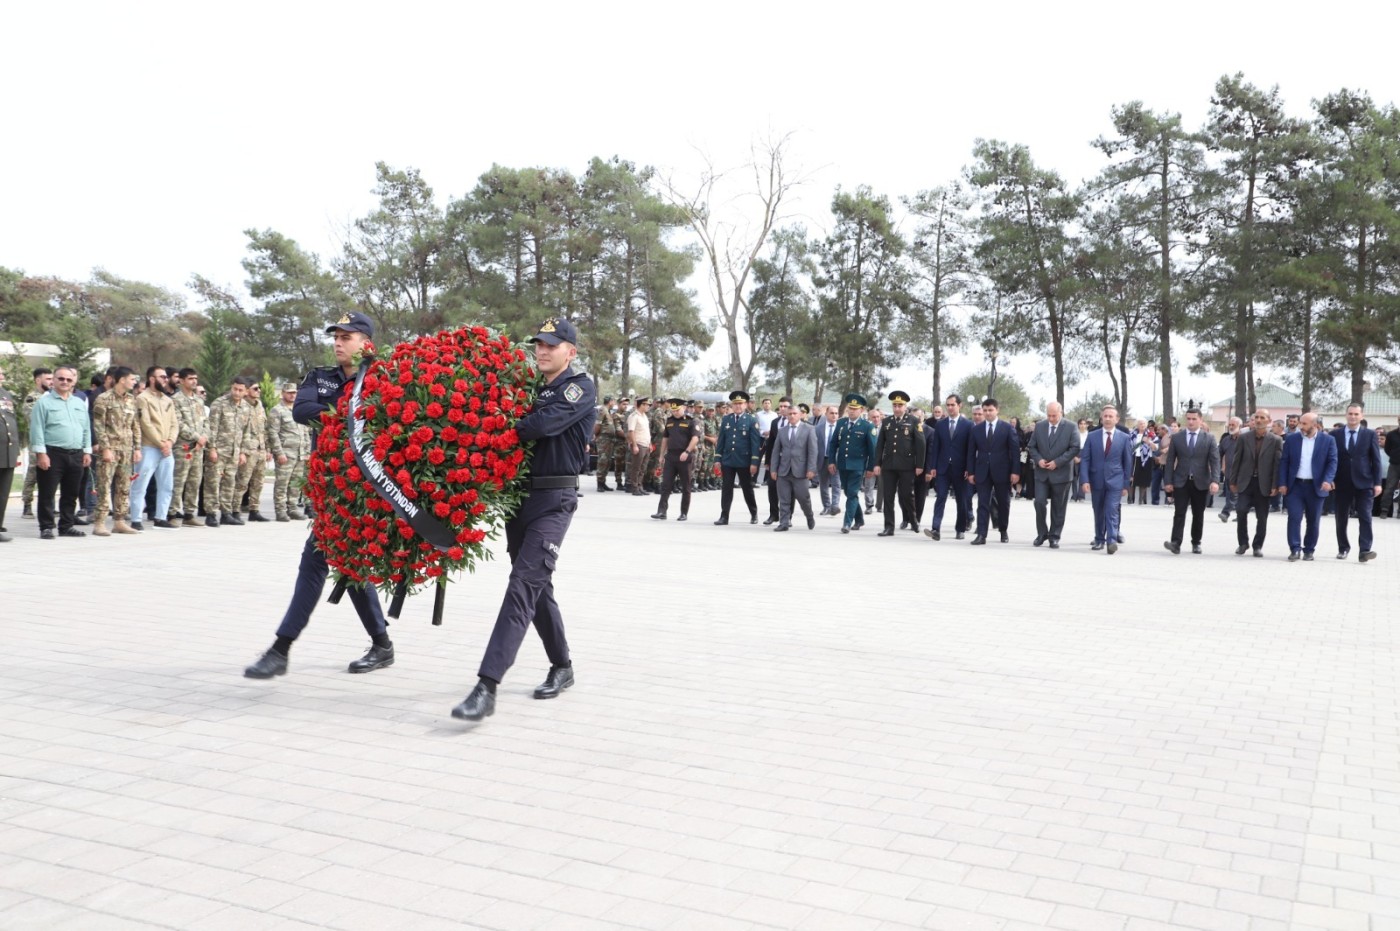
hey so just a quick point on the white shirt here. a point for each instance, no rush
(1305, 466)
(765, 420)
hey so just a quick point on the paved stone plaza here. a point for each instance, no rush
(800, 731)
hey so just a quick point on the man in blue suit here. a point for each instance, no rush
(1306, 473)
(993, 466)
(945, 463)
(1359, 480)
(1105, 469)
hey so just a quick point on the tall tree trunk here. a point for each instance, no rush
(1164, 323)
(1307, 351)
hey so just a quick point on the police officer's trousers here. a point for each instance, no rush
(726, 495)
(898, 484)
(311, 582)
(533, 538)
(669, 470)
(851, 482)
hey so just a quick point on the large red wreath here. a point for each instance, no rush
(436, 423)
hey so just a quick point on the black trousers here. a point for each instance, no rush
(7, 478)
(1252, 498)
(726, 495)
(991, 493)
(920, 496)
(772, 497)
(1057, 494)
(1189, 496)
(670, 468)
(64, 476)
(898, 482)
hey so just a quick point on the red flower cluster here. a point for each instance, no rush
(439, 419)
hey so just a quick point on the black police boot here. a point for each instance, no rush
(270, 664)
(559, 678)
(478, 704)
(376, 658)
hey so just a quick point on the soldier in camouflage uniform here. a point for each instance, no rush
(254, 469)
(290, 445)
(117, 433)
(657, 417)
(43, 381)
(223, 455)
(189, 454)
(618, 424)
(603, 442)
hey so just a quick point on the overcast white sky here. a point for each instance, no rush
(144, 138)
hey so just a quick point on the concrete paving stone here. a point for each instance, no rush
(992, 767)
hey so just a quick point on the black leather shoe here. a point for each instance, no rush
(376, 658)
(1224, 517)
(137, 526)
(723, 521)
(845, 528)
(1196, 548)
(45, 534)
(81, 522)
(163, 525)
(71, 532)
(1241, 549)
(681, 518)
(268, 665)
(1096, 546)
(211, 521)
(1343, 554)
(1367, 556)
(231, 518)
(811, 523)
(979, 540)
(959, 536)
(1120, 539)
(559, 678)
(1005, 538)
(769, 521)
(478, 704)
(931, 533)
(753, 518)
(1307, 557)
(1112, 548)
(1038, 541)
(887, 532)
(1295, 556)
(782, 527)
(659, 515)
(1054, 544)
(255, 518)
(1259, 552)
(1173, 548)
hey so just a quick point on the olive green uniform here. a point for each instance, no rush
(189, 457)
(115, 430)
(253, 472)
(286, 437)
(226, 428)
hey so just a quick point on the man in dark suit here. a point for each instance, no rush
(1192, 472)
(993, 466)
(783, 406)
(829, 483)
(946, 464)
(1105, 469)
(1052, 449)
(1307, 471)
(1252, 469)
(1359, 480)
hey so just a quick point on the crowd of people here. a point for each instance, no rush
(979, 462)
(134, 449)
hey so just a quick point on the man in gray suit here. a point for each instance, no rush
(793, 466)
(1192, 471)
(827, 481)
(1253, 467)
(1054, 445)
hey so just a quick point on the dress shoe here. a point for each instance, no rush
(268, 665)
(559, 678)
(478, 704)
(211, 520)
(1343, 554)
(1367, 556)
(771, 520)
(1224, 517)
(1054, 544)
(979, 540)
(913, 527)
(1096, 546)
(867, 510)
(681, 518)
(1120, 539)
(722, 522)
(1259, 552)
(230, 517)
(659, 515)
(1295, 556)
(959, 535)
(1173, 548)
(137, 526)
(1196, 548)
(933, 534)
(1241, 549)
(782, 527)
(1307, 557)
(753, 518)
(887, 532)
(295, 514)
(845, 528)
(376, 657)
(1004, 537)
(1039, 540)
(811, 523)
(71, 532)
(45, 534)
(81, 521)
(255, 518)
(163, 524)
(1112, 548)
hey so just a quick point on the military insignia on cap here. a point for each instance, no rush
(572, 393)
(548, 327)
(344, 318)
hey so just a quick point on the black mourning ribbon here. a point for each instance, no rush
(422, 521)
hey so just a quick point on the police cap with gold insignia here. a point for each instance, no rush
(675, 402)
(854, 400)
(353, 322)
(554, 331)
(737, 395)
(899, 397)
(804, 408)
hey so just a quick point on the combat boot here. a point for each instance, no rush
(294, 514)
(282, 517)
(254, 517)
(99, 526)
(28, 511)
(191, 521)
(230, 517)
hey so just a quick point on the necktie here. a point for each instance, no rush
(1052, 431)
(1107, 442)
(1190, 442)
(989, 430)
(1351, 439)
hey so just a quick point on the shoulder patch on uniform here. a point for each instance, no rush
(573, 393)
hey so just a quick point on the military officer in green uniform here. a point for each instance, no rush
(899, 461)
(740, 446)
(850, 454)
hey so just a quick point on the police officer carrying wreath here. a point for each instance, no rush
(560, 423)
(679, 441)
(319, 391)
(899, 460)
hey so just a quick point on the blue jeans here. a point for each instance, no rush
(163, 468)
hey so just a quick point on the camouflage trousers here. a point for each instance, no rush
(189, 474)
(250, 479)
(612, 460)
(31, 482)
(287, 484)
(112, 486)
(219, 480)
